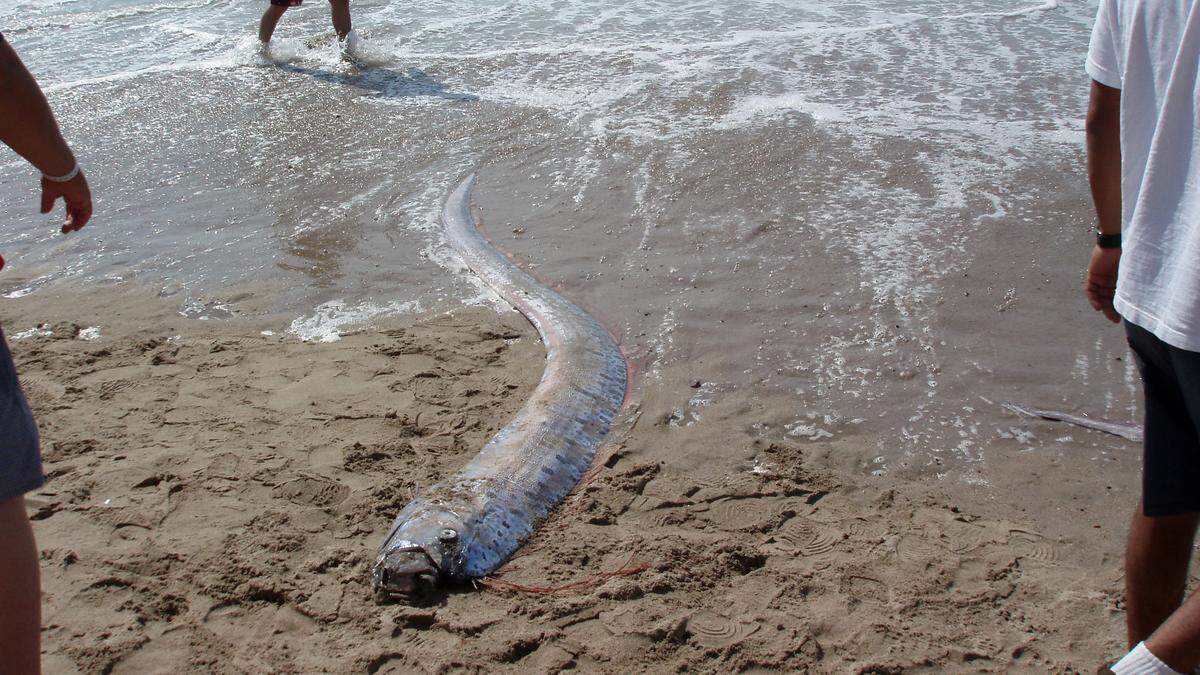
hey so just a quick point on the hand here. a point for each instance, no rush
(75, 194)
(1101, 283)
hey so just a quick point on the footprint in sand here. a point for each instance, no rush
(961, 537)
(427, 642)
(986, 646)
(822, 542)
(916, 548)
(863, 588)
(107, 390)
(41, 392)
(669, 517)
(225, 465)
(789, 507)
(622, 620)
(392, 662)
(712, 630)
(311, 491)
(224, 612)
(1033, 546)
(804, 538)
(131, 532)
(734, 514)
(854, 527)
(741, 484)
(739, 514)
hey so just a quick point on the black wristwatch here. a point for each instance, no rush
(1108, 240)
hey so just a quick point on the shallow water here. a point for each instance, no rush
(857, 225)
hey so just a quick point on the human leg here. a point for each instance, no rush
(1175, 641)
(270, 18)
(20, 472)
(1159, 548)
(1156, 570)
(20, 620)
(340, 9)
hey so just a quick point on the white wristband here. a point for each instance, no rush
(1140, 661)
(63, 179)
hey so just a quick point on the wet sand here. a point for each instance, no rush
(215, 497)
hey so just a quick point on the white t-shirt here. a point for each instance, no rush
(1150, 49)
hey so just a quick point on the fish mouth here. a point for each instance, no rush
(405, 572)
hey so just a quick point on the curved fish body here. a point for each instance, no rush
(1131, 431)
(467, 525)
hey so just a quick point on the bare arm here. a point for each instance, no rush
(26, 123)
(1104, 175)
(28, 127)
(1104, 155)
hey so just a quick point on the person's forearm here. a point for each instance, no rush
(26, 123)
(1104, 155)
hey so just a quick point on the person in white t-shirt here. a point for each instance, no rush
(1143, 142)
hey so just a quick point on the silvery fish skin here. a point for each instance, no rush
(1131, 431)
(467, 525)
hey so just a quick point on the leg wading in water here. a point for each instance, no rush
(341, 17)
(339, 9)
(270, 18)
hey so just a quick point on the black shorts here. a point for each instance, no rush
(286, 3)
(1171, 453)
(20, 461)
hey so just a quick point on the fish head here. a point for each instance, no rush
(423, 552)
(405, 573)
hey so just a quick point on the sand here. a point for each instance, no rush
(215, 497)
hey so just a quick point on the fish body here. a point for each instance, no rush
(467, 525)
(1131, 431)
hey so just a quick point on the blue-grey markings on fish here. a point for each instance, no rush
(467, 525)
(1131, 431)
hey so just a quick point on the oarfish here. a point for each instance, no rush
(1131, 431)
(467, 525)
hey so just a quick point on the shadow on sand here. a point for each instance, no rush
(385, 82)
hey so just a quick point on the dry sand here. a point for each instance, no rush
(215, 497)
